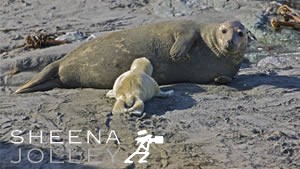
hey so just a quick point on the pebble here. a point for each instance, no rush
(92, 36)
(276, 62)
(25, 3)
(17, 37)
(276, 135)
(4, 55)
(6, 125)
(72, 36)
(25, 118)
(261, 21)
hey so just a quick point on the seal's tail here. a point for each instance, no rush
(129, 104)
(45, 80)
(123, 103)
(137, 108)
(119, 107)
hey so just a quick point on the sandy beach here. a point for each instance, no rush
(251, 123)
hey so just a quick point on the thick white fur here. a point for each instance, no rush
(134, 87)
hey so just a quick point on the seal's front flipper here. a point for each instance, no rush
(223, 79)
(183, 43)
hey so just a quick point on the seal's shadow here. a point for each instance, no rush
(250, 81)
(181, 99)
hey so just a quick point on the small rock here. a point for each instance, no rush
(35, 126)
(25, 3)
(6, 125)
(258, 131)
(241, 108)
(57, 139)
(179, 14)
(288, 151)
(17, 37)
(92, 36)
(276, 135)
(4, 55)
(276, 62)
(261, 21)
(25, 118)
(226, 5)
(116, 5)
(260, 49)
(227, 119)
(72, 36)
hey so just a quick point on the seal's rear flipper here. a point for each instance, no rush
(165, 94)
(119, 107)
(48, 85)
(138, 108)
(45, 80)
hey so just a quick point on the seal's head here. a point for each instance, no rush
(143, 65)
(231, 37)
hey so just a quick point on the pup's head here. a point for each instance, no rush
(143, 65)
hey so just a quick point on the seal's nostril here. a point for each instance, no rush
(229, 42)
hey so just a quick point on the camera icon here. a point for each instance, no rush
(144, 140)
(157, 140)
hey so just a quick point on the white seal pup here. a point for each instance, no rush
(132, 88)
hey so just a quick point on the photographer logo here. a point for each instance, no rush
(144, 140)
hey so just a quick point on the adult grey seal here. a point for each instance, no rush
(180, 51)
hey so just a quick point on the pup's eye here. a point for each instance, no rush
(241, 34)
(224, 31)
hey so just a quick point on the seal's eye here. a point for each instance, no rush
(224, 31)
(241, 34)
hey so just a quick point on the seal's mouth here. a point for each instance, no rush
(229, 50)
(230, 46)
